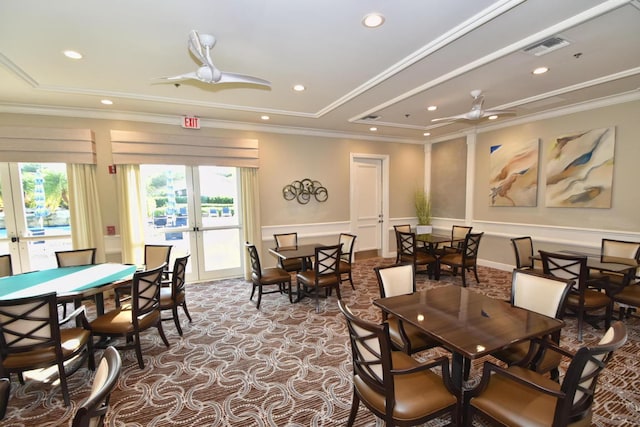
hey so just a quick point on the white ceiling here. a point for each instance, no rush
(428, 52)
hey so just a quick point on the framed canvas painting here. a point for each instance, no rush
(580, 170)
(513, 175)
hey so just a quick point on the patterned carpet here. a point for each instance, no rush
(283, 365)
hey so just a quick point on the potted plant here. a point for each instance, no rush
(423, 212)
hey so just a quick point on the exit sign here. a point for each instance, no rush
(191, 122)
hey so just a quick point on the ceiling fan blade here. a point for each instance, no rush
(241, 78)
(185, 76)
(451, 118)
(197, 49)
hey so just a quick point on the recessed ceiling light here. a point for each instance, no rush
(107, 102)
(373, 129)
(493, 117)
(265, 117)
(299, 88)
(373, 20)
(540, 70)
(426, 133)
(72, 54)
(432, 108)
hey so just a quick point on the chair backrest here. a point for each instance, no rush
(256, 269)
(581, 377)
(397, 279)
(6, 269)
(471, 245)
(76, 257)
(537, 292)
(348, 243)
(371, 352)
(178, 276)
(621, 252)
(93, 411)
(155, 255)
(523, 249)
(572, 267)
(28, 324)
(460, 231)
(407, 245)
(145, 296)
(327, 261)
(286, 239)
(404, 228)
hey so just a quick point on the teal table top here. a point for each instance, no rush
(64, 281)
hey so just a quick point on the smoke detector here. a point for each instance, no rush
(547, 46)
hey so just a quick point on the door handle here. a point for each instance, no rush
(15, 239)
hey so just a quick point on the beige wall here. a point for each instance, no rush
(448, 178)
(625, 210)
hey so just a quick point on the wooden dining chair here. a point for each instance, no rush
(410, 253)
(140, 314)
(6, 269)
(262, 277)
(466, 260)
(31, 338)
(458, 234)
(391, 384)
(93, 411)
(583, 298)
(290, 240)
(545, 295)
(325, 274)
(5, 389)
(401, 228)
(74, 258)
(517, 396)
(346, 257)
(400, 279)
(523, 251)
(174, 294)
(155, 255)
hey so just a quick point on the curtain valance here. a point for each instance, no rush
(53, 145)
(133, 148)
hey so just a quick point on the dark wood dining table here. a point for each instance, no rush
(467, 323)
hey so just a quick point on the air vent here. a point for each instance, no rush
(370, 117)
(547, 46)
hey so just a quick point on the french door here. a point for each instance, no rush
(34, 214)
(195, 209)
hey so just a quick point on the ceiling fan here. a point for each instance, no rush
(476, 112)
(200, 46)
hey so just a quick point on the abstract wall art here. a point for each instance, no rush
(580, 169)
(513, 175)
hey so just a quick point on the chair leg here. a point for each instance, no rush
(184, 308)
(475, 273)
(253, 291)
(318, 299)
(580, 322)
(63, 383)
(162, 335)
(136, 343)
(464, 277)
(176, 320)
(259, 296)
(355, 403)
(338, 291)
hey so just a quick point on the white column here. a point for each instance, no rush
(471, 172)
(427, 168)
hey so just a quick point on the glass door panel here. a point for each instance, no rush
(35, 208)
(194, 209)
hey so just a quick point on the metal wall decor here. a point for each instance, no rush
(303, 190)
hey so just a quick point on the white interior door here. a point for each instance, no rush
(367, 203)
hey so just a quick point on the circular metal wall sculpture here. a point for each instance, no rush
(302, 191)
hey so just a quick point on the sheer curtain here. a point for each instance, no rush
(250, 206)
(84, 209)
(130, 213)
